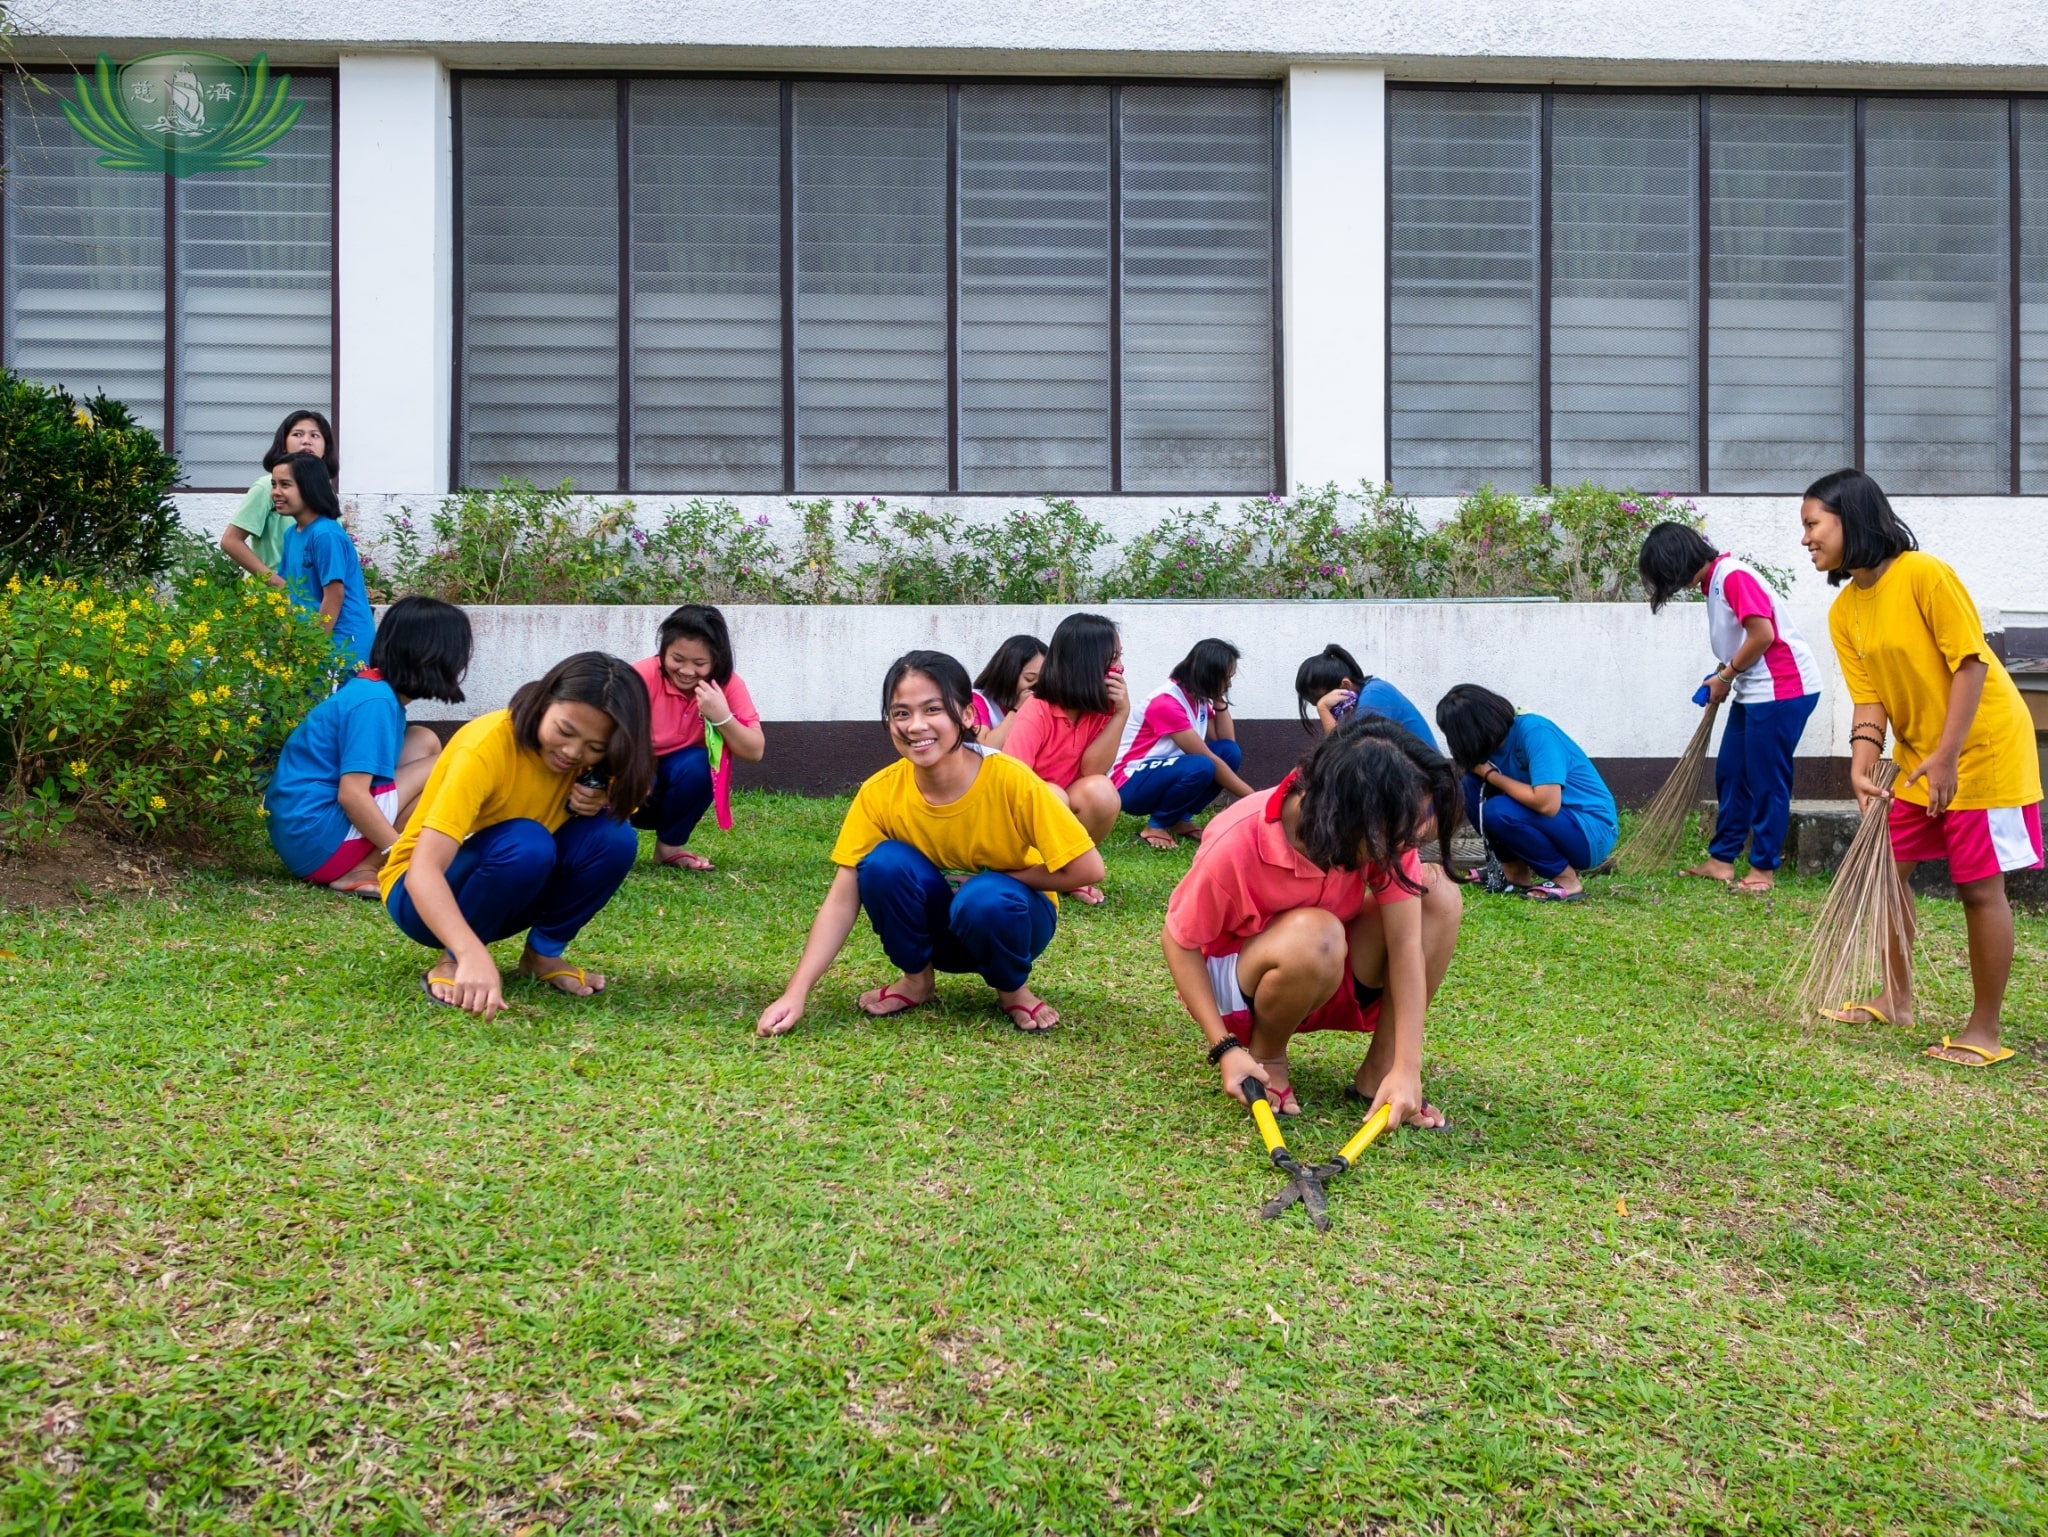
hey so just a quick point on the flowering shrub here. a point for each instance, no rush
(83, 487)
(152, 707)
(1042, 556)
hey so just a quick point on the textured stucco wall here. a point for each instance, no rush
(1810, 41)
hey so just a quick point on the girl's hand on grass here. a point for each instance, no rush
(1236, 1067)
(780, 1017)
(478, 987)
(1938, 771)
(586, 801)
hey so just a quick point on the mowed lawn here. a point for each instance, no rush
(284, 1247)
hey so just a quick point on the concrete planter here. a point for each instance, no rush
(1618, 678)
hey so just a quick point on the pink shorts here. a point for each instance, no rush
(1342, 1011)
(356, 848)
(1977, 844)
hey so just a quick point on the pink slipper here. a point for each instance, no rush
(890, 995)
(683, 859)
(1025, 1019)
(1088, 896)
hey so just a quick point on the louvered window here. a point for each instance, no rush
(848, 286)
(249, 331)
(1699, 319)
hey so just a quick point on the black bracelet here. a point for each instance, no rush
(1217, 1052)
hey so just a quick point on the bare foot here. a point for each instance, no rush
(1365, 1083)
(1758, 883)
(1028, 1012)
(563, 976)
(362, 880)
(1711, 870)
(905, 993)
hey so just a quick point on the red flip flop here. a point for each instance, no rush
(890, 995)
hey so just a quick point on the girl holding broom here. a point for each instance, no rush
(1913, 653)
(1774, 679)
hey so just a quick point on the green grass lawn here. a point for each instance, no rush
(282, 1246)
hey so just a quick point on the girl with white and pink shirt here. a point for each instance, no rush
(1181, 748)
(1773, 678)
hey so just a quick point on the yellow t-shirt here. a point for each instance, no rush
(483, 777)
(1900, 641)
(1009, 819)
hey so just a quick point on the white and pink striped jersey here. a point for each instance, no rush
(1148, 733)
(1788, 670)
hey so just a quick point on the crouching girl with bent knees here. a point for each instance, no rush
(1300, 912)
(522, 828)
(957, 854)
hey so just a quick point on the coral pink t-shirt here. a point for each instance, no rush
(1246, 874)
(1050, 745)
(676, 721)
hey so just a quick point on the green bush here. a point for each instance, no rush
(84, 491)
(148, 706)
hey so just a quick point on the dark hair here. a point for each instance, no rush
(1364, 790)
(1076, 672)
(699, 621)
(1475, 721)
(1326, 670)
(604, 683)
(1871, 532)
(332, 451)
(422, 648)
(1204, 673)
(955, 692)
(316, 489)
(1670, 561)
(998, 680)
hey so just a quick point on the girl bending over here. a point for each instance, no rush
(957, 855)
(1333, 685)
(1003, 685)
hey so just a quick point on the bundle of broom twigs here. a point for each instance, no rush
(1655, 841)
(1868, 915)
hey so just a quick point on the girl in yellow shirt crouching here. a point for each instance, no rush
(945, 806)
(1913, 653)
(522, 827)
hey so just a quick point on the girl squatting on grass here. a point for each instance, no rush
(1300, 913)
(1181, 749)
(352, 770)
(1068, 731)
(1913, 653)
(956, 853)
(254, 537)
(523, 827)
(1773, 677)
(1003, 685)
(1333, 685)
(320, 568)
(692, 691)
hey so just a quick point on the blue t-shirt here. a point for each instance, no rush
(1379, 697)
(355, 730)
(320, 553)
(1537, 752)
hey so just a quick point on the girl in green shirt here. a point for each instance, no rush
(254, 537)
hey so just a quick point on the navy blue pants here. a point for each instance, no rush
(680, 797)
(994, 926)
(1546, 845)
(518, 876)
(1753, 776)
(1170, 793)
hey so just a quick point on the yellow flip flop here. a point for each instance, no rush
(569, 971)
(1990, 1058)
(1841, 1015)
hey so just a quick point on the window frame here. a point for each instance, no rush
(788, 80)
(1702, 95)
(53, 76)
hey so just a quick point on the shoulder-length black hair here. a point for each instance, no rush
(316, 488)
(278, 451)
(1670, 561)
(998, 680)
(699, 621)
(422, 649)
(1475, 721)
(1871, 532)
(1204, 673)
(956, 693)
(1329, 668)
(1076, 672)
(604, 683)
(1367, 791)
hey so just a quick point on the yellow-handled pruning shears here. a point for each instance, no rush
(1305, 1181)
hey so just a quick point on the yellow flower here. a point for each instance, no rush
(206, 728)
(198, 696)
(82, 607)
(255, 720)
(77, 766)
(221, 691)
(175, 649)
(156, 803)
(218, 614)
(117, 686)
(198, 581)
(14, 583)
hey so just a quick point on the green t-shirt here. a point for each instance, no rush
(262, 522)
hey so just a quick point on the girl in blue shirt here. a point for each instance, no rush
(1531, 791)
(352, 770)
(320, 568)
(1333, 685)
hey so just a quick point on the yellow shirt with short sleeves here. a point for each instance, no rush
(483, 777)
(1009, 819)
(1900, 641)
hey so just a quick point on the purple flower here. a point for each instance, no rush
(762, 521)
(640, 536)
(1630, 507)
(860, 506)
